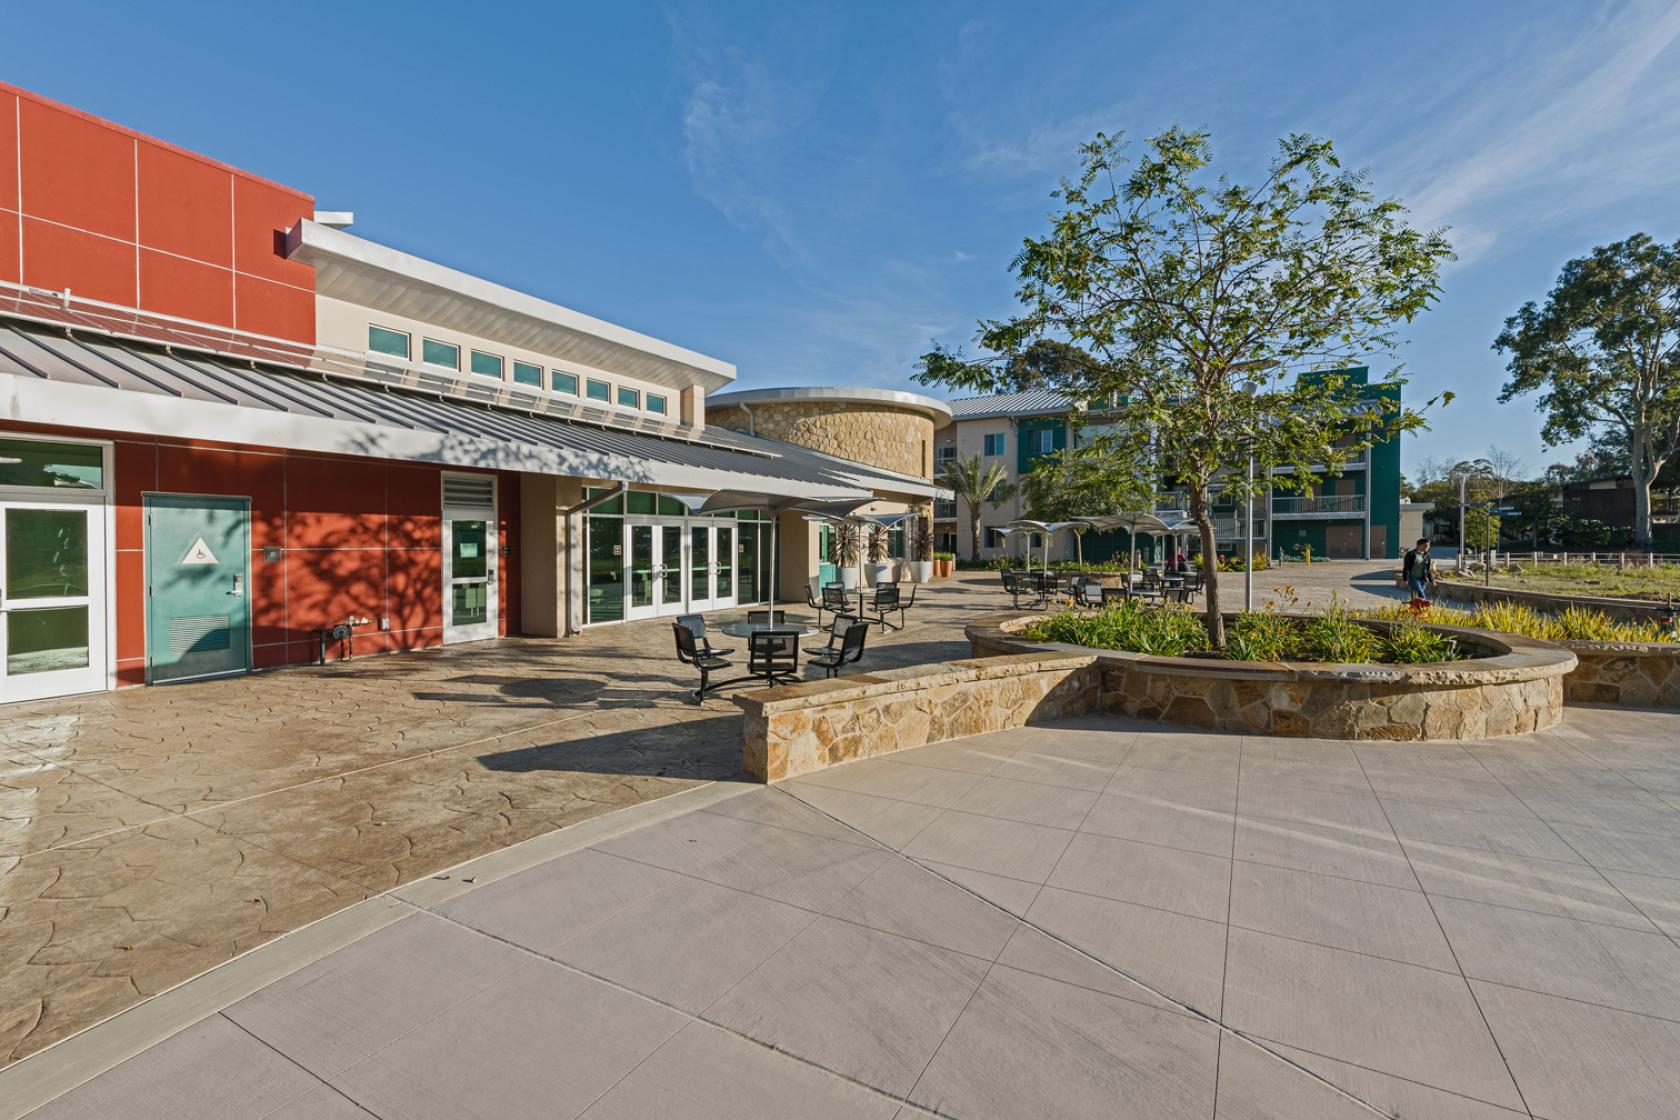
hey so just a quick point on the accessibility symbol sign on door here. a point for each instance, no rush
(199, 553)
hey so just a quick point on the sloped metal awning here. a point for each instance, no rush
(1141, 521)
(63, 377)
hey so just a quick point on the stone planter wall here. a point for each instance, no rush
(1514, 686)
(804, 727)
(1632, 674)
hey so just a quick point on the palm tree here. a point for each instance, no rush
(974, 483)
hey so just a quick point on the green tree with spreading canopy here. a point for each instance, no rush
(1197, 300)
(975, 483)
(1603, 353)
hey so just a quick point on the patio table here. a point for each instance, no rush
(748, 629)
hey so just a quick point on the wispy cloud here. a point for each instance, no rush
(738, 113)
(1566, 121)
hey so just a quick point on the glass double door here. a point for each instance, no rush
(52, 598)
(674, 567)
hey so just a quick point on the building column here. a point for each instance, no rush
(550, 554)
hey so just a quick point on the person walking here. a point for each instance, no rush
(1419, 571)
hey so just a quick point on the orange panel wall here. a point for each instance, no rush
(124, 218)
(356, 537)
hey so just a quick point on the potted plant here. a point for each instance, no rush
(944, 564)
(843, 552)
(880, 568)
(921, 568)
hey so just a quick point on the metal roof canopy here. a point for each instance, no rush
(54, 375)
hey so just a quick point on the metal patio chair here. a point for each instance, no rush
(851, 633)
(885, 601)
(691, 652)
(766, 618)
(773, 655)
(697, 626)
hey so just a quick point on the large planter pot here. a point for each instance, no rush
(849, 577)
(880, 574)
(921, 571)
(945, 569)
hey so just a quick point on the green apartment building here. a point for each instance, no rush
(1353, 515)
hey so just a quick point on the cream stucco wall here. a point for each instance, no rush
(345, 325)
(969, 438)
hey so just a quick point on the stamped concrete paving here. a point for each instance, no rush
(150, 834)
(1093, 919)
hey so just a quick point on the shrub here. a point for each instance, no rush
(1166, 631)
(1411, 643)
(1575, 624)
(1337, 636)
(1258, 636)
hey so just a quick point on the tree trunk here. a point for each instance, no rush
(1643, 477)
(1202, 515)
(974, 532)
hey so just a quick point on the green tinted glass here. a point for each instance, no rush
(488, 365)
(61, 466)
(670, 507)
(45, 640)
(46, 553)
(598, 391)
(471, 604)
(640, 501)
(629, 398)
(565, 383)
(437, 353)
(656, 403)
(527, 374)
(468, 540)
(606, 569)
(382, 340)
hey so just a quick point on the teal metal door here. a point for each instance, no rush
(198, 578)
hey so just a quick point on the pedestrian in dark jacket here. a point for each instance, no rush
(1419, 570)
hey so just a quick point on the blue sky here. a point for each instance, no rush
(817, 192)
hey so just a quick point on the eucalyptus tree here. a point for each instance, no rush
(1198, 300)
(1603, 353)
(976, 483)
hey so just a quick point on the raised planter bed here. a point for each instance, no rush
(1630, 610)
(1506, 686)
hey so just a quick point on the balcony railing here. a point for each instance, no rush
(944, 507)
(1318, 503)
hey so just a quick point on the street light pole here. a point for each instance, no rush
(1463, 492)
(1248, 539)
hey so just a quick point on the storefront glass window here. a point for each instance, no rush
(606, 570)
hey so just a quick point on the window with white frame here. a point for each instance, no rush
(1041, 441)
(995, 443)
(435, 353)
(384, 340)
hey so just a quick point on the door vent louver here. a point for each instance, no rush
(197, 633)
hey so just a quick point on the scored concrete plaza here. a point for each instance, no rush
(1097, 918)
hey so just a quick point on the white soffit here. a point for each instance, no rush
(366, 273)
